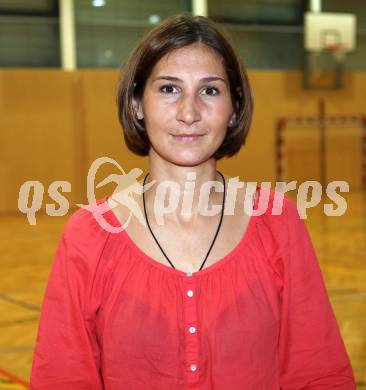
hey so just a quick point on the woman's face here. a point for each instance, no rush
(187, 105)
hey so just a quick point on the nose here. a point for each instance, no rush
(188, 109)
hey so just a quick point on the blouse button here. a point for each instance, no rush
(193, 367)
(192, 329)
(190, 293)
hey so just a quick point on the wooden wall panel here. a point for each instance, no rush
(36, 130)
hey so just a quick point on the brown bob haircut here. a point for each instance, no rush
(173, 33)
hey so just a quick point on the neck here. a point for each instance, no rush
(177, 190)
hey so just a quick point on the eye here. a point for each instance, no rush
(167, 88)
(212, 91)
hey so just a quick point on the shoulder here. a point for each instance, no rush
(278, 213)
(273, 202)
(271, 205)
(82, 222)
(86, 230)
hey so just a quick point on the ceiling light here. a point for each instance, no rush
(98, 3)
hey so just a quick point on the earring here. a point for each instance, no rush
(139, 116)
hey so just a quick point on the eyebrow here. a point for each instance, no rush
(178, 80)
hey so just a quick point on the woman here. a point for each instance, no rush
(200, 301)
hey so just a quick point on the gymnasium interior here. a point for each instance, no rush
(60, 62)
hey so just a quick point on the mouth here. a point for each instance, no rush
(187, 137)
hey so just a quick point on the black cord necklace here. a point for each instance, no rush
(217, 231)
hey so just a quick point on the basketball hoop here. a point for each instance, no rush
(336, 50)
(328, 38)
(324, 68)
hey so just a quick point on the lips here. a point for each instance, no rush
(187, 137)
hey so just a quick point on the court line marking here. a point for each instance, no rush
(9, 351)
(20, 303)
(14, 378)
(6, 324)
(350, 298)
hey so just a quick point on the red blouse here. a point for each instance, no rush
(258, 319)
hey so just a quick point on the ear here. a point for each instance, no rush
(236, 103)
(137, 109)
(232, 119)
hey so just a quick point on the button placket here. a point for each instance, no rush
(191, 337)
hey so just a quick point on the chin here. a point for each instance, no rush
(184, 158)
(189, 160)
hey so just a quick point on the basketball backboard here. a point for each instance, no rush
(323, 30)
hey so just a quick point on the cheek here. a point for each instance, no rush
(157, 112)
(220, 109)
(219, 118)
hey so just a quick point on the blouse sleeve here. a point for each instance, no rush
(312, 354)
(66, 354)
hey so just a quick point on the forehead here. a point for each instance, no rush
(197, 57)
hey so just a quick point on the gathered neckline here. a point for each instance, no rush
(166, 268)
